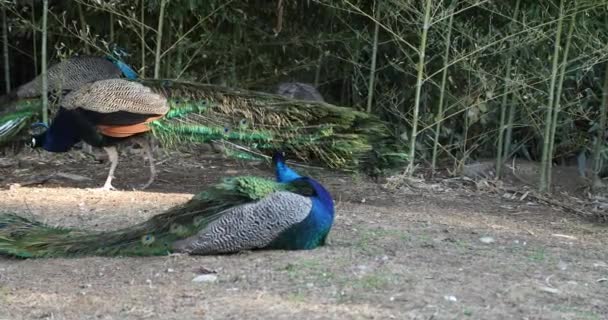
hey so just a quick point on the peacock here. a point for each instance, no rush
(300, 91)
(250, 124)
(21, 107)
(239, 213)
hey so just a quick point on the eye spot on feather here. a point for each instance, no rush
(178, 229)
(226, 130)
(197, 221)
(147, 239)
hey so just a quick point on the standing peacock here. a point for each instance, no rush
(250, 124)
(241, 213)
(65, 76)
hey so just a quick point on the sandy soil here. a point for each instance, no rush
(408, 253)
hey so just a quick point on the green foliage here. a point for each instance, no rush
(254, 45)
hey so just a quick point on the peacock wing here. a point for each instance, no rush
(248, 226)
(71, 74)
(115, 95)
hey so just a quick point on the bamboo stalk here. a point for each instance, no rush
(167, 38)
(83, 25)
(599, 140)
(143, 38)
(420, 75)
(372, 71)
(545, 166)
(7, 65)
(509, 128)
(444, 78)
(560, 83)
(159, 39)
(43, 61)
(111, 27)
(319, 68)
(503, 149)
(34, 44)
(179, 61)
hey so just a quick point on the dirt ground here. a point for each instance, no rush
(409, 253)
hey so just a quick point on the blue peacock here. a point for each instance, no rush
(240, 213)
(21, 106)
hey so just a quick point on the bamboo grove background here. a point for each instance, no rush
(459, 80)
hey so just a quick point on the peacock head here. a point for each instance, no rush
(283, 173)
(116, 56)
(118, 52)
(278, 157)
(38, 134)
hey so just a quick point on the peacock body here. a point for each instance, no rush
(241, 213)
(64, 76)
(299, 91)
(250, 124)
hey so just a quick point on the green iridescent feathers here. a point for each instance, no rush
(253, 123)
(26, 238)
(13, 123)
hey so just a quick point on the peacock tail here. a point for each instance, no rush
(11, 124)
(27, 238)
(255, 124)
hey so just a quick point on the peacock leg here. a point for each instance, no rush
(113, 156)
(147, 148)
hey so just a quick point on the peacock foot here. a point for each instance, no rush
(143, 186)
(106, 187)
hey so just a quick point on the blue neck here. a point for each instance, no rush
(322, 195)
(126, 70)
(285, 173)
(312, 231)
(61, 136)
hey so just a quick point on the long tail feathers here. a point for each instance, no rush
(14, 123)
(256, 123)
(26, 238)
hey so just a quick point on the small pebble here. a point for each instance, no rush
(205, 278)
(487, 240)
(450, 298)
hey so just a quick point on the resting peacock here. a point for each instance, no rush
(241, 213)
(65, 76)
(300, 91)
(250, 124)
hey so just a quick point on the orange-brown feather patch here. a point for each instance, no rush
(126, 130)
